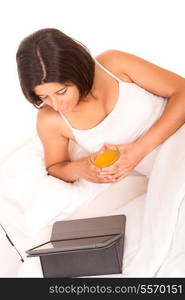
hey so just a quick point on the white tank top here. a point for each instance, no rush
(135, 111)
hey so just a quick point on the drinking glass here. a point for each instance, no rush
(105, 157)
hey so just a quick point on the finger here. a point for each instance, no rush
(109, 146)
(102, 149)
(109, 176)
(122, 173)
(116, 167)
(95, 180)
(105, 179)
(94, 168)
(109, 173)
(116, 173)
(110, 169)
(120, 177)
(119, 169)
(99, 180)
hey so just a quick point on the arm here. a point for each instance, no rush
(55, 146)
(56, 156)
(158, 81)
(64, 170)
(172, 118)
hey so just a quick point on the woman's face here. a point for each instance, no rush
(62, 97)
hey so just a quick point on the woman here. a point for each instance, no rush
(116, 98)
(58, 74)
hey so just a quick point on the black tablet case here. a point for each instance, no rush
(83, 247)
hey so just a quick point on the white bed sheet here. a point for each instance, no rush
(154, 245)
(15, 181)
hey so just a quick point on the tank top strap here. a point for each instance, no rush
(66, 121)
(107, 71)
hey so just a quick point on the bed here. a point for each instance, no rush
(154, 239)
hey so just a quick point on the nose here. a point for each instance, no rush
(54, 103)
(58, 106)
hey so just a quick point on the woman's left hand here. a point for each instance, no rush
(130, 155)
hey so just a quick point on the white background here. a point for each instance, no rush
(151, 29)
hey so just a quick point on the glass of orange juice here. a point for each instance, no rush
(106, 157)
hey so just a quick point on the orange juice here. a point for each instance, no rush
(106, 158)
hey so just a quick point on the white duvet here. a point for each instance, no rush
(154, 241)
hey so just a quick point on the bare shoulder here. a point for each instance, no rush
(48, 119)
(144, 73)
(46, 112)
(107, 56)
(110, 60)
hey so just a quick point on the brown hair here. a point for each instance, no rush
(49, 55)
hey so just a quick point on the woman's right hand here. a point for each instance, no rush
(86, 170)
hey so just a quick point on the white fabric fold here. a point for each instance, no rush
(38, 197)
(165, 193)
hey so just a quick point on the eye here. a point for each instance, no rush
(42, 98)
(62, 92)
